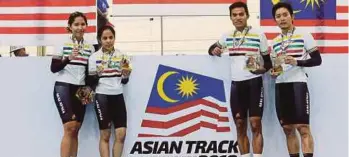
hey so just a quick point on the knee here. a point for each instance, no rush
(256, 126)
(289, 131)
(120, 135)
(304, 131)
(71, 129)
(105, 136)
(240, 127)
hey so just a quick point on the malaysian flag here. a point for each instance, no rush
(327, 20)
(171, 7)
(42, 22)
(182, 102)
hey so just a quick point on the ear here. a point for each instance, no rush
(68, 29)
(292, 16)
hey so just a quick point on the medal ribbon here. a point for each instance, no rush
(237, 44)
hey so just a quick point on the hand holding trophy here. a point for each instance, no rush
(74, 54)
(253, 64)
(125, 67)
(100, 69)
(277, 69)
(75, 51)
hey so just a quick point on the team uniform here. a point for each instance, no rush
(109, 101)
(291, 91)
(70, 77)
(246, 88)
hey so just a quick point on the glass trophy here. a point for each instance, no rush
(85, 95)
(278, 63)
(100, 69)
(253, 61)
(125, 63)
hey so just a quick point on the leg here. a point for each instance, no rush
(257, 140)
(118, 110)
(306, 138)
(292, 139)
(69, 140)
(302, 107)
(284, 104)
(243, 141)
(101, 109)
(239, 114)
(65, 106)
(79, 114)
(256, 103)
(120, 134)
(104, 143)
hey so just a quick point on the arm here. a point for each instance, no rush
(58, 63)
(267, 62)
(315, 60)
(220, 44)
(92, 77)
(311, 49)
(124, 80)
(265, 52)
(212, 47)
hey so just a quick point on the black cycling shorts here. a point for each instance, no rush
(110, 109)
(69, 106)
(292, 103)
(247, 96)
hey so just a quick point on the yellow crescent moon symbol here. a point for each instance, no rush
(277, 1)
(160, 86)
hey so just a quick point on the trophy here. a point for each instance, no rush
(252, 61)
(78, 45)
(279, 60)
(125, 63)
(100, 69)
(85, 95)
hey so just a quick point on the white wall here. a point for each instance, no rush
(31, 126)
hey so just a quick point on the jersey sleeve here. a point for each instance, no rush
(309, 43)
(272, 50)
(222, 41)
(263, 47)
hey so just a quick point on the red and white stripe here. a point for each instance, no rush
(185, 119)
(42, 22)
(110, 72)
(171, 7)
(331, 36)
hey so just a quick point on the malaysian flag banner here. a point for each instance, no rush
(327, 20)
(186, 111)
(42, 22)
(171, 7)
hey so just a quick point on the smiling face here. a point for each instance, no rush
(239, 17)
(78, 26)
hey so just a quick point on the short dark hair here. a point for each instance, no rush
(279, 5)
(239, 4)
